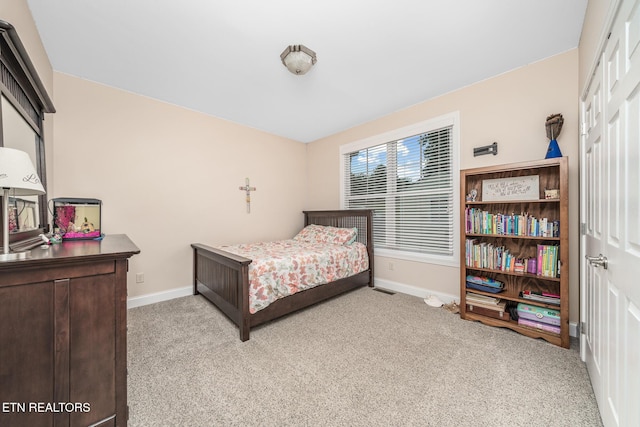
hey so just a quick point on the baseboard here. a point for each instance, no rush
(573, 330)
(413, 290)
(159, 297)
(379, 283)
(445, 298)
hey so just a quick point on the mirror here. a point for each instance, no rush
(23, 103)
(24, 212)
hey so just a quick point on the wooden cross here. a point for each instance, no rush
(248, 191)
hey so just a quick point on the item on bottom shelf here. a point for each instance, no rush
(539, 314)
(496, 314)
(539, 325)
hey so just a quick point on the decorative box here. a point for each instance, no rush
(552, 194)
(539, 314)
(77, 219)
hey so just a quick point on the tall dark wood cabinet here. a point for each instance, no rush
(63, 335)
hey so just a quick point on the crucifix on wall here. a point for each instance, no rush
(247, 189)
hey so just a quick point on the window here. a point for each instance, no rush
(409, 178)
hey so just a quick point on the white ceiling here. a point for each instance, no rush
(222, 57)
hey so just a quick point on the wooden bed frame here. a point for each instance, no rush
(223, 277)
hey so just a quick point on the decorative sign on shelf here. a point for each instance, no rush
(514, 188)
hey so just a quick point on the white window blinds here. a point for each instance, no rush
(409, 184)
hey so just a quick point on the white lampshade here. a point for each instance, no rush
(18, 177)
(298, 59)
(18, 174)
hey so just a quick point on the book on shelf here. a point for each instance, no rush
(486, 281)
(483, 288)
(482, 299)
(540, 297)
(485, 284)
(539, 325)
(491, 303)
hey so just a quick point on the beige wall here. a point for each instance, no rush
(510, 109)
(126, 149)
(17, 13)
(169, 177)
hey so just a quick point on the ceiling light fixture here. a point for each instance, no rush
(298, 59)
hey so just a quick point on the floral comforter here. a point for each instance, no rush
(285, 267)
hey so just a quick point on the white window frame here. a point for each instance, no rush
(451, 119)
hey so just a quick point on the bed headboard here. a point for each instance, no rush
(362, 219)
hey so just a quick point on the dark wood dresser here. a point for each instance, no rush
(63, 335)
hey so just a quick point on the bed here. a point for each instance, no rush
(223, 277)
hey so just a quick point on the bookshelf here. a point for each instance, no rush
(515, 244)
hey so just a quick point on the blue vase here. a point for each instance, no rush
(553, 150)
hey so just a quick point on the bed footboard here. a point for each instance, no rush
(223, 278)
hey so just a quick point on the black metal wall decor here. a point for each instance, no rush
(487, 149)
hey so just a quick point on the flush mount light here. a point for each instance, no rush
(298, 58)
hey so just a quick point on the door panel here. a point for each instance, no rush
(25, 322)
(610, 186)
(592, 196)
(92, 315)
(613, 354)
(632, 361)
(594, 339)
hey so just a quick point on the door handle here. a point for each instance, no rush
(598, 261)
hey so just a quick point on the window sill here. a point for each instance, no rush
(449, 261)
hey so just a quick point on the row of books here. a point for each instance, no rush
(546, 263)
(483, 222)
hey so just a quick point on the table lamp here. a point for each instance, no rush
(18, 177)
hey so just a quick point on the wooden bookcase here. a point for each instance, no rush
(509, 192)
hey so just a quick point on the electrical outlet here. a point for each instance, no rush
(139, 277)
(391, 266)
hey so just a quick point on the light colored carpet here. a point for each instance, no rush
(362, 359)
